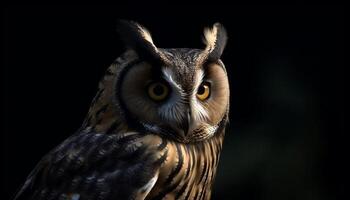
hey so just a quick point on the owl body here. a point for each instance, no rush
(154, 129)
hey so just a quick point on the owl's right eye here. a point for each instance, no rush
(158, 91)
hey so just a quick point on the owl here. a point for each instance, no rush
(154, 130)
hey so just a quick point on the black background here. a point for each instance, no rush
(286, 70)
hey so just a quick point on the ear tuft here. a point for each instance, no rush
(138, 38)
(215, 39)
(145, 34)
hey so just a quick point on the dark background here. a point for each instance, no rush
(286, 69)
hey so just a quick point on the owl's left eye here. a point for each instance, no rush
(158, 91)
(203, 91)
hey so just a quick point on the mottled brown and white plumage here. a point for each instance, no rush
(154, 129)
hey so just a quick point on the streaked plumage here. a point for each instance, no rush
(133, 147)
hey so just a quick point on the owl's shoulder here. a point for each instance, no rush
(90, 163)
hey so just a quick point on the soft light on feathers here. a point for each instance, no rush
(210, 36)
(145, 34)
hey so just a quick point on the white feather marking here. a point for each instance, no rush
(172, 111)
(198, 111)
(211, 130)
(168, 75)
(199, 79)
(149, 185)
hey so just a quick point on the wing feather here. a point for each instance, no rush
(94, 166)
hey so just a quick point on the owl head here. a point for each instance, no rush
(178, 93)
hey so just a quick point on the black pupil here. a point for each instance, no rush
(158, 90)
(201, 90)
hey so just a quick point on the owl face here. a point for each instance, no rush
(180, 93)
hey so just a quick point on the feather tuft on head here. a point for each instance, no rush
(138, 38)
(215, 39)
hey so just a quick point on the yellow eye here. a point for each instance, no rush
(158, 91)
(203, 91)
